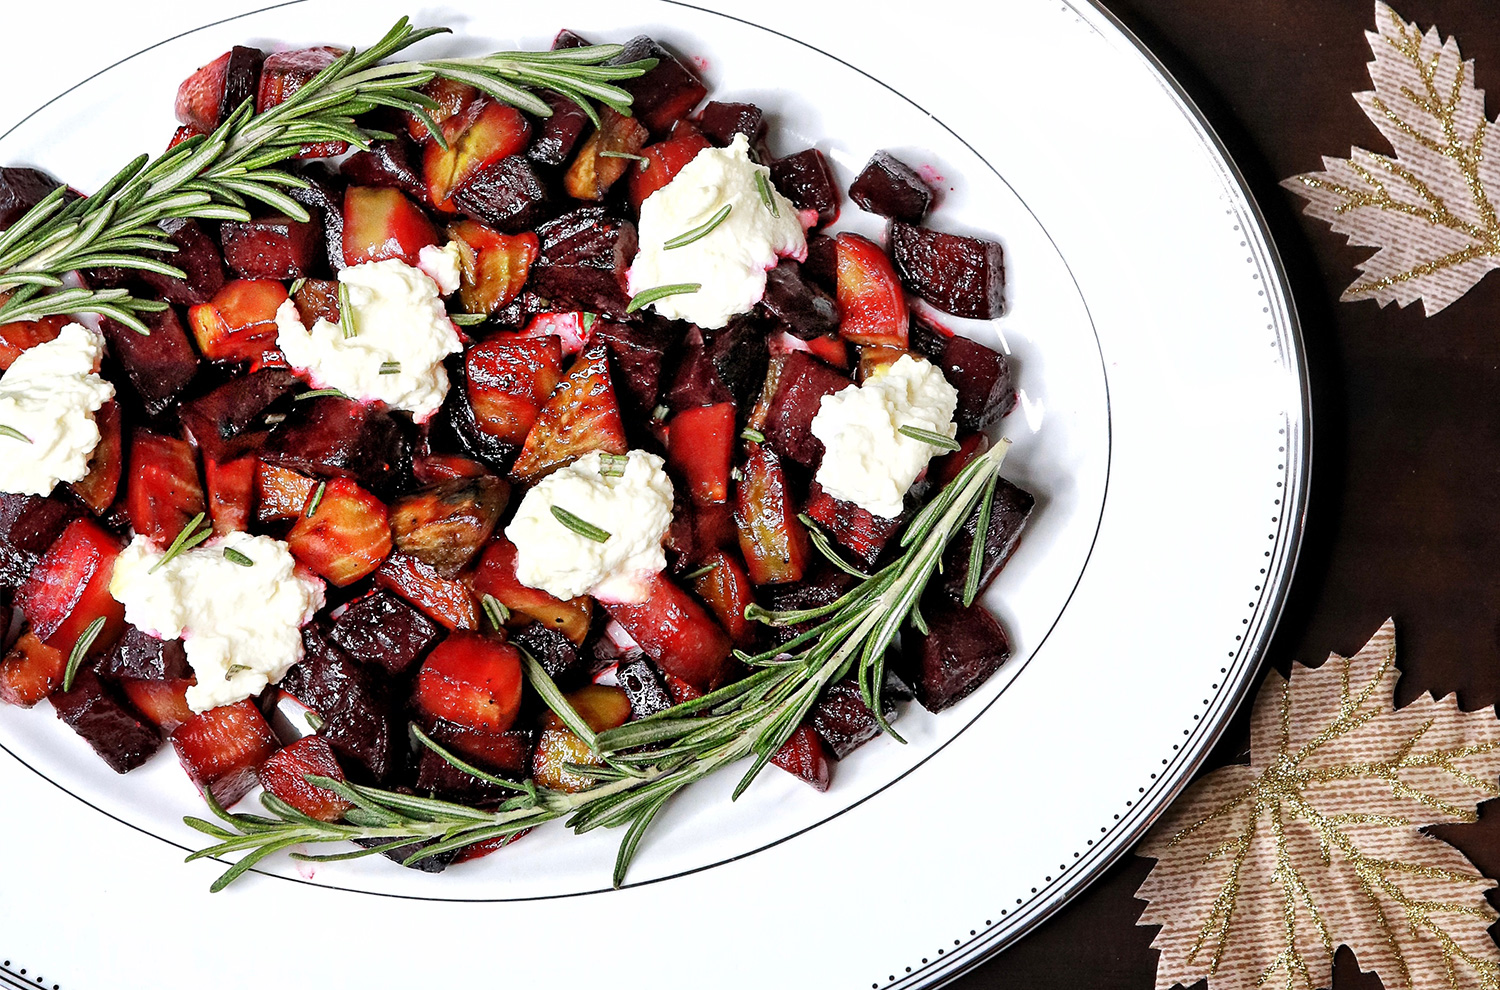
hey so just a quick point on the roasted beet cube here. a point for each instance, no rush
(382, 629)
(843, 720)
(98, 488)
(165, 490)
(239, 323)
(230, 421)
(676, 632)
(496, 577)
(20, 190)
(471, 680)
(283, 73)
(31, 671)
(159, 366)
(451, 603)
(223, 747)
(217, 89)
(231, 493)
(507, 753)
(598, 164)
(21, 336)
(558, 135)
(824, 586)
(982, 377)
(343, 535)
(271, 247)
(666, 93)
(801, 306)
(643, 687)
(120, 737)
(388, 163)
(428, 864)
(445, 525)
(280, 493)
(803, 382)
(285, 775)
(69, 588)
(558, 655)
(581, 416)
(477, 137)
(354, 701)
(961, 275)
(804, 757)
(142, 656)
(495, 266)
(1008, 515)
(696, 381)
(317, 299)
(29, 525)
(507, 379)
(872, 307)
(701, 445)
(637, 352)
(324, 202)
(508, 195)
(891, 188)
(720, 122)
(440, 779)
(164, 703)
(383, 223)
(858, 530)
(963, 647)
(725, 587)
(739, 355)
(586, 255)
(807, 180)
(197, 256)
(822, 265)
(662, 161)
(331, 437)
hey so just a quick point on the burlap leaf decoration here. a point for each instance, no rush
(1429, 209)
(1263, 870)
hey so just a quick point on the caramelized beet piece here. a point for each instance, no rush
(478, 136)
(720, 122)
(285, 775)
(701, 445)
(963, 648)
(451, 603)
(739, 355)
(858, 530)
(507, 380)
(142, 656)
(806, 179)
(805, 309)
(231, 493)
(239, 323)
(280, 493)
(382, 629)
(445, 525)
(106, 723)
(20, 190)
(382, 223)
(696, 382)
(21, 336)
(964, 276)
(452, 98)
(665, 94)
(495, 266)
(825, 585)
(471, 680)
(354, 701)
(891, 188)
(676, 632)
(585, 258)
(637, 352)
(581, 416)
(160, 366)
(164, 492)
(331, 437)
(496, 577)
(387, 163)
(446, 782)
(198, 257)
(822, 265)
(69, 588)
(1008, 515)
(163, 703)
(598, 164)
(230, 421)
(271, 247)
(986, 392)
(324, 202)
(643, 687)
(31, 671)
(283, 73)
(559, 134)
(663, 160)
(843, 720)
(772, 538)
(344, 535)
(508, 195)
(507, 753)
(804, 757)
(428, 864)
(29, 525)
(223, 747)
(872, 307)
(217, 89)
(723, 584)
(97, 489)
(569, 39)
(803, 382)
(557, 654)
(317, 299)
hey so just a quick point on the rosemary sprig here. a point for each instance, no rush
(938, 440)
(390, 367)
(217, 176)
(648, 296)
(496, 612)
(582, 527)
(646, 762)
(763, 185)
(346, 312)
(81, 650)
(702, 230)
(189, 537)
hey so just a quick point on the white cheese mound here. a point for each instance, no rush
(49, 395)
(633, 507)
(240, 626)
(867, 460)
(401, 336)
(731, 261)
(443, 265)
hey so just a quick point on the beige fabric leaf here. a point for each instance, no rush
(1430, 208)
(1264, 869)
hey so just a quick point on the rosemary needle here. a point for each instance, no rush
(494, 611)
(937, 440)
(81, 650)
(702, 230)
(14, 434)
(764, 186)
(189, 537)
(235, 557)
(648, 296)
(317, 499)
(582, 527)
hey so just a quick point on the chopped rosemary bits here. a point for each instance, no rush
(190, 537)
(81, 650)
(497, 613)
(273, 419)
(660, 413)
(390, 367)
(14, 434)
(346, 312)
(314, 720)
(467, 319)
(648, 296)
(754, 436)
(937, 440)
(588, 321)
(583, 528)
(764, 185)
(613, 465)
(317, 499)
(705, 569)
(320, 391)
(296, 286)
(234, 668)
(235, 557)
(701, 231)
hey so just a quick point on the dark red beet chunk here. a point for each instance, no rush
(222, 748)
(569, 39)
(982, 378)
(585, 257)
(843, 720)
(440, 779)
(20, 190)
(383, 629)
(159, 366)
(1008, 515)
(637, 352)
(32, 523)
(324, 200)
(664, 95)
(822, 587)
(387, 163)
(558, 135)
(696, 382)
(120, 737)
(891, 188)
(430, 864)
(858, 530)
(241, 80)
(198, 257)
(806, 179)
(144, 657)
(739, 356)
(230, 421)
(508, 195)
(822, 265)
(961, 275)
(720, 122)
(557, 654)
(330, 437)
(804, 308)
(963, 648)
(643, 688)
(804, 757)
(803, 383)
(285, 775)
(507, 753)
(353, 699)
(271, 247)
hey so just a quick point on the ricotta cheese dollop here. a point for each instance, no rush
(49, 395)
(729, 262)
(867, 460)
(632, 503)
(240, 626)
(444, 265)
(401, 335)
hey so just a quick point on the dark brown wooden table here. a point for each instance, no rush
(1404, 518)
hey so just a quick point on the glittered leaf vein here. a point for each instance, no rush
(1264, 869)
